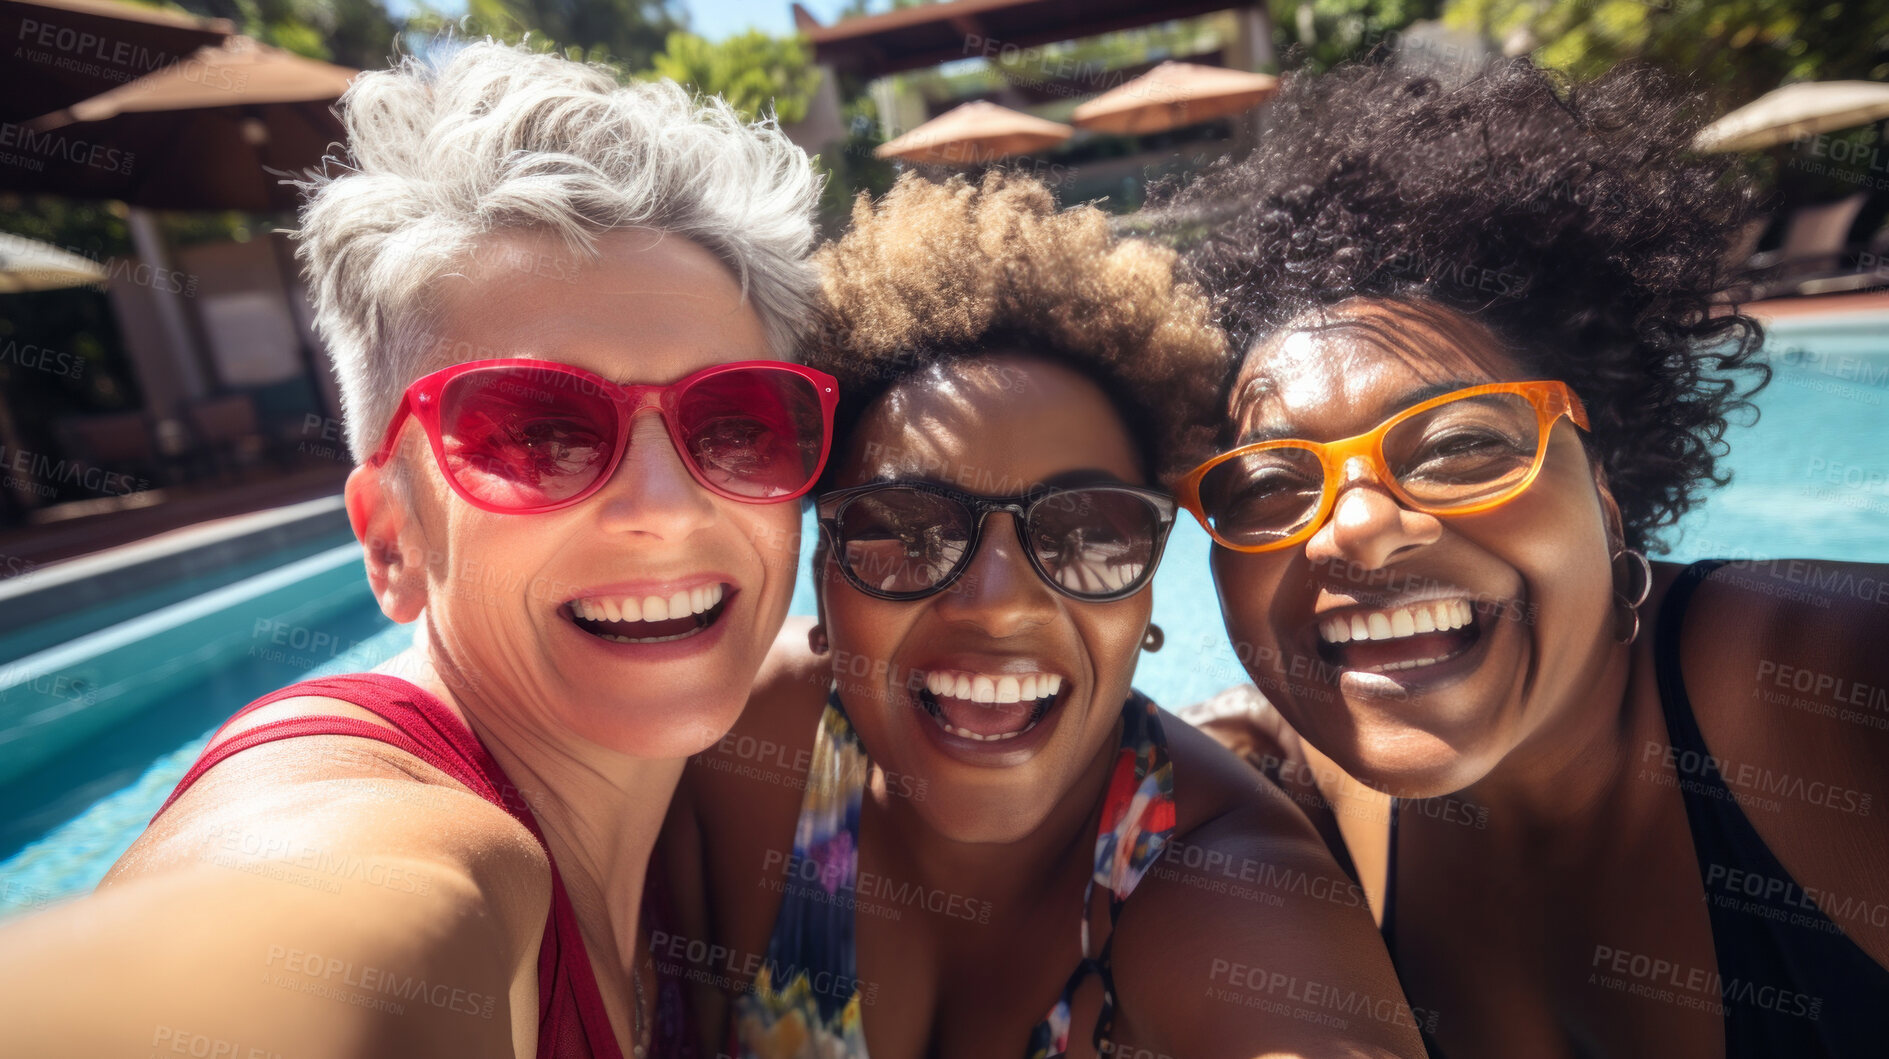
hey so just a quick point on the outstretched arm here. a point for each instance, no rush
(289, 908)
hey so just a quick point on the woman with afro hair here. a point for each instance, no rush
(947, 824)
(1482, 366)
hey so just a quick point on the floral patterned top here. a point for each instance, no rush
(806, 1002)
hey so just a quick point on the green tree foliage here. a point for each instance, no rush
(356, 33)
(757, 73)
(850, 167)
(1739, 49)
(1322, 33)
(627, 34)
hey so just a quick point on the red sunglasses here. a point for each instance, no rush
(519, 436)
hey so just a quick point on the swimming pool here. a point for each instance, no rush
(1810, 480)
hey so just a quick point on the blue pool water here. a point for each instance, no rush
(1810, 480)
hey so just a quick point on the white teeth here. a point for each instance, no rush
(1435, 616)
(697, 600)
(999, 688)
(993, 689)
(1392, 667)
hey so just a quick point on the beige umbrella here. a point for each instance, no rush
(237, 71)
(1175, 94)
(1795, 111)
(26, 265)
(973, 134)
(61, 51)
(202, 134)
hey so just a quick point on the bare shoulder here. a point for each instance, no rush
(1245, 922)
(1212, 780)
(1789, 657)
(737, 805)
(327, 809)
(1337, 806)
(772, 740)
(1786, 666)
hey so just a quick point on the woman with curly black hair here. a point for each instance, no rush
(1484, 367)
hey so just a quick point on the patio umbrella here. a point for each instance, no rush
(975, 133)
(62, 51)
(27, 265)
(1795, 111)
(1175, 94)
(202, 134)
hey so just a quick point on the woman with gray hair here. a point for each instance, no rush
(446, 856)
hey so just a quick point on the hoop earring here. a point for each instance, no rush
(816, 640)
(1633, 600)
(1152, 640)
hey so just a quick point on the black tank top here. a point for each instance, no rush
(1791, 982)
(1794, 984)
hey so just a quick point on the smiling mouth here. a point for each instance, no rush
(649, 619)
(1397, 639)
(988, 707)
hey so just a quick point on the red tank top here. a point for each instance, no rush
(572, 1021)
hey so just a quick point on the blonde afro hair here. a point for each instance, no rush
(935, 271)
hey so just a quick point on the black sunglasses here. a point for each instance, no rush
(908, 540)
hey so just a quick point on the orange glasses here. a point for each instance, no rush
(1467, 451)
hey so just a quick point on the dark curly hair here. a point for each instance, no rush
(1573, 222)
(936, 271)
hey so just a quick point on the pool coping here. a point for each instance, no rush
(76, 584)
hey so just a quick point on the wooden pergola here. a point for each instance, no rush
(912, 38)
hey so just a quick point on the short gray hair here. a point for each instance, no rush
(503, 139)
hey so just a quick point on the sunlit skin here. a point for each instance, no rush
(1010, 836)
(999, 609)
(496, 585)
(1535, 568)
(1552, 833)
(592, 733)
